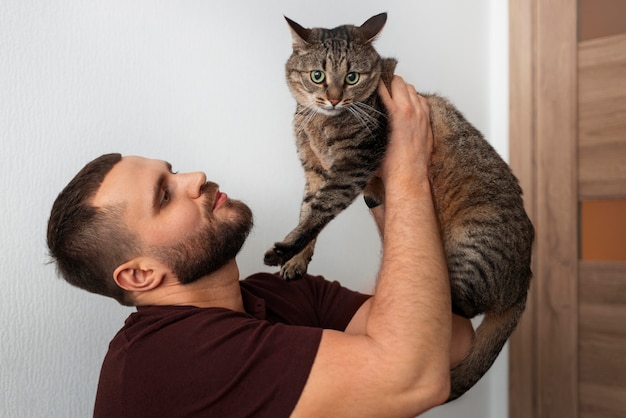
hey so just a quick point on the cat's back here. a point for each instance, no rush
(463, 156)
(472, 184)
(479, 204)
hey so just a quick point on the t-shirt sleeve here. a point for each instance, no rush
(311, 301)
(335, 304)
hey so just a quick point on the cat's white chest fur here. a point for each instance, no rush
(325, 158)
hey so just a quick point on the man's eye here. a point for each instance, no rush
(165, 199)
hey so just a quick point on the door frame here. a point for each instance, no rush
(543, 356)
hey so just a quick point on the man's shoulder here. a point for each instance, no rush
(209, 358)
(175, 323)
(311, 300)
(273, 281)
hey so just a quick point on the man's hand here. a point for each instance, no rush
(410, 142)
(411, 138)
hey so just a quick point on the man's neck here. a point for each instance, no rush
(217, 290)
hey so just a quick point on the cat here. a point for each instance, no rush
(341, 131)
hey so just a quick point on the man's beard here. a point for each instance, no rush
(212, 246)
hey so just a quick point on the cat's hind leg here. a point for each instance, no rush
(374, 193)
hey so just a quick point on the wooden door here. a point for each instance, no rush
(568, 147)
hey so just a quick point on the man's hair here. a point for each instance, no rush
(88, 243)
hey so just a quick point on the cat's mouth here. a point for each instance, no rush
(329, 110)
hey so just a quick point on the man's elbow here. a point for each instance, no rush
(441, 388)
(429, 390)
(434, 388)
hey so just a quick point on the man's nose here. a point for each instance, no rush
(193, 183)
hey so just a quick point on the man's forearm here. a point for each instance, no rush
(462, 330)
(412, 300)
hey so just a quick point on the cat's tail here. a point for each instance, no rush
(489, 339)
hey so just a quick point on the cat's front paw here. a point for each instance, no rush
(271, 257)
(279, 254)
(295, 268)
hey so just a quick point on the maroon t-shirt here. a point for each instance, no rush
(179, 361)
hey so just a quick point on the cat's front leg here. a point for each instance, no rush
(295, 257)
(297, 266)
(298, 242)
(317, 211)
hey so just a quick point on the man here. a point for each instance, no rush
(204, 343)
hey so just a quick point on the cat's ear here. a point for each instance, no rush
(299, 34)
(372, 27)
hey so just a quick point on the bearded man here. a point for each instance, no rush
(205, 343)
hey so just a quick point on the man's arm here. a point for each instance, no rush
(462, 329)
(462, 332)
(400, 365)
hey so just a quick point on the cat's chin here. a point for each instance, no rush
(330, 112)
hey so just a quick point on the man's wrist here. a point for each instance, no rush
(407, 187)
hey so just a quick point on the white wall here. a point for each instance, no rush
(200, 84)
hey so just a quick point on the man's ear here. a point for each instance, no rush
(140, 274)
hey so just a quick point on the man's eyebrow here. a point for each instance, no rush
(158, 187)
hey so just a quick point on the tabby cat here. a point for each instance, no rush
(340, 126)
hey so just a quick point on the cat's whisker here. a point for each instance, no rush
(359, 116)
(368, 112)
(368, 107)
(365, 118)
(308, 113)
(370, 118)
(313, 112)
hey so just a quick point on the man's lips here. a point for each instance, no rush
(220, 198)
(212, 191)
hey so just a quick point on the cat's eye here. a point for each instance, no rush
(317, 76)
(352, 78)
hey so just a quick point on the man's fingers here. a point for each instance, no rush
(399, 91)
(384, 94)
(403, 95)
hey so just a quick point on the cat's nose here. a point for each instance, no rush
(334, 102)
